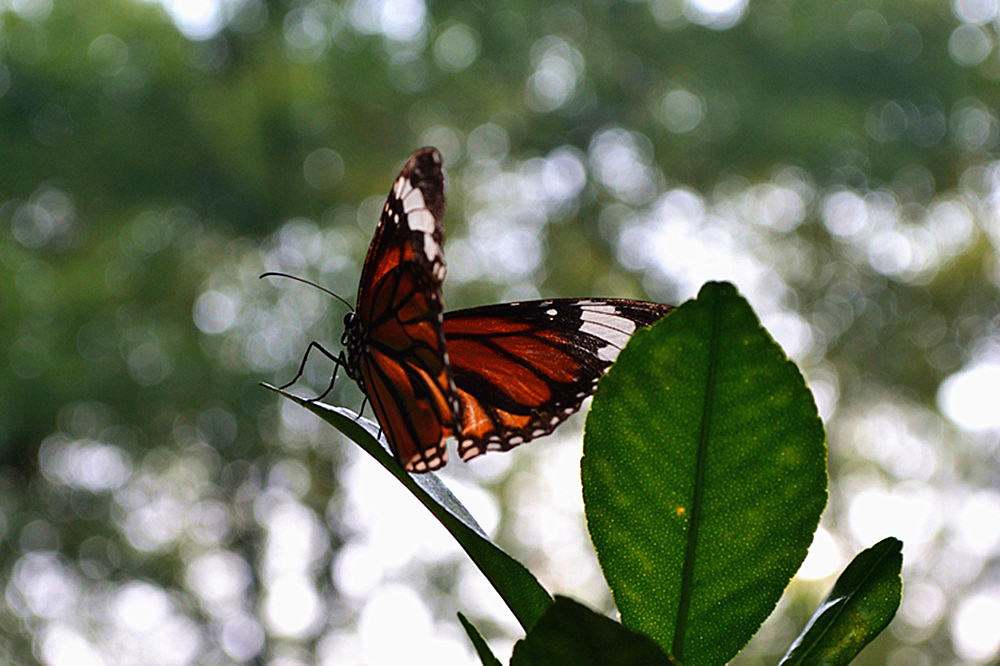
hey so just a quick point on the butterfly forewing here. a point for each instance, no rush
(520, 369)
(397, 351)
(494, 376)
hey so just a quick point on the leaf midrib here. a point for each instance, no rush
(687, 573)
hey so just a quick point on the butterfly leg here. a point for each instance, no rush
(337, 360)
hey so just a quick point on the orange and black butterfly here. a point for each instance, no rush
(494, 376)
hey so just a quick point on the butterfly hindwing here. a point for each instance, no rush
(520, 369)
(397, 349)
(493, 376)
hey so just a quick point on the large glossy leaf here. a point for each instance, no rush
(704, 476)
(572, 634)
(862, 602)
(521, 591)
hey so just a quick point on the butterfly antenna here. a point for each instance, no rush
(304, 281)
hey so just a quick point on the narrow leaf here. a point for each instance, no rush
(521, 591)
(483, 651)
(704, 476)
(862, 602)
(571, 633)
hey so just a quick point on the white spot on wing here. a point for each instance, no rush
(432, 249)
(608, 353)
(611, 335)
(413, 200)
(434, 460)
(593, 306)
(420, 219)
(401, 187)
(609, 319)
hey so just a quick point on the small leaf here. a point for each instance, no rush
(483, 651)
(862, 602)
(571, 633)
(521, 591)
(704, 477)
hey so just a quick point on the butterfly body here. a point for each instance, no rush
(493, 377)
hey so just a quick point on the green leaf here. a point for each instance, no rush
(571, 633)
(486, 655)
(521, 591)
(704, 476)
(862, 602)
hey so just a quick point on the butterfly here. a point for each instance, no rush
(494, 376)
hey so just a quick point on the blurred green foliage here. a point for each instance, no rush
(842, 152)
